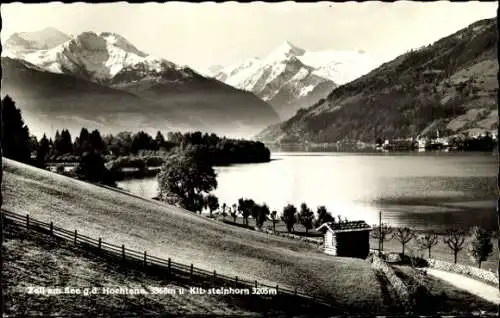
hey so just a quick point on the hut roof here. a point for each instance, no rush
(349, 226)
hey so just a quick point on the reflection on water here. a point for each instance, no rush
(421, 190)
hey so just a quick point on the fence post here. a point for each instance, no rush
(27, 221)
(145, 258)
(191, 270)
(276, 289)
(123, 251)
(100, 243)
(236, 279)
(76, 235)
(256, 284)
(215, 274)
(51, 228)
(169, 266)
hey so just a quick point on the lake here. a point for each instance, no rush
(423, 190)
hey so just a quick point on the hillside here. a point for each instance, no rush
(179, 94)
(167, 231)
(34, 259)
(448, 86)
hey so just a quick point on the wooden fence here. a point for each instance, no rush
(146, 260)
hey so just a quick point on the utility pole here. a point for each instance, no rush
(1, 212)
(380, 233)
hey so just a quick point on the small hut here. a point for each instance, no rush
(349, 239)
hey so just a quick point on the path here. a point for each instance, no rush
(471, 285)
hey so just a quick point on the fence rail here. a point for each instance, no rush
(146, 259)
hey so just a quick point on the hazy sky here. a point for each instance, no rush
(201, 35)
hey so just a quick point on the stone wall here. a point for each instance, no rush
(474, 272)
(398, 285)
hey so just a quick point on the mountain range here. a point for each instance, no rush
(449, 86)
(102, 80)
(290, 77)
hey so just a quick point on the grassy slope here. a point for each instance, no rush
(31, 259)
(167, 231)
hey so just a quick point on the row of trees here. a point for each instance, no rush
(477, 241)
(216, 150)
(291, 216)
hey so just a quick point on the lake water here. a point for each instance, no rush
(424, 190)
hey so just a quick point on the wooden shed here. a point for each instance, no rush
(348, 239)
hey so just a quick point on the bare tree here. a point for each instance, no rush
(455, 240)
(404, 236)
(427, 241)
(382, 233)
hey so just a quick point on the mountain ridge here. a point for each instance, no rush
(290, 78)
(109, 60)
(449, 86)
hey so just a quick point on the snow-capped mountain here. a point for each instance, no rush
(290, 78)
(111, 61)
(19, 43)
(340, 66)
(98, 57)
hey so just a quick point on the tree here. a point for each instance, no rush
(261, 214)
(323, 216)
(16, 136)
(404, 236)
(92, 168)
(224, 210)
(306, 217)
(33, 144)
(62, 143)
(187, 179)
(159, 140)
(42, 152)
(382, 233)
(245, 207)
(212, 203)
(234, 212)
(479, 245)
(66, 142)
(274, 219)
(289, 217)
(121, 144)
(96, 143)
(82, 142)
(455, 240)
(427, 241)
(140, 141)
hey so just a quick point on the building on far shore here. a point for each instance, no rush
(348, 239)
